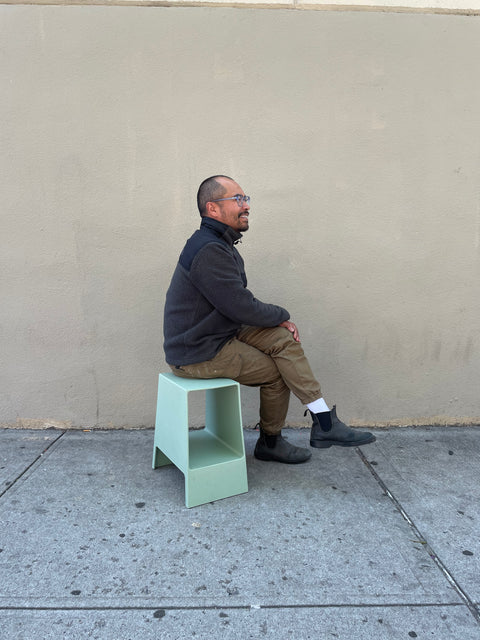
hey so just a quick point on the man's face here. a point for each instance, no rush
(229, 211)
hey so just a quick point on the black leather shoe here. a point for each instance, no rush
(278, 449)
(328, 430)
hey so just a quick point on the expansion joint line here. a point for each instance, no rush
(39, 457)
(229, 607)
(421, 538)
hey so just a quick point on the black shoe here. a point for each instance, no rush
(328, 430)
(280, 450)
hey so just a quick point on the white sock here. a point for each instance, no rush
(318, 406)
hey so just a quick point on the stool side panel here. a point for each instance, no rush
(171, 423)
(223, 417)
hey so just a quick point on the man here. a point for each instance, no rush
(214, 327)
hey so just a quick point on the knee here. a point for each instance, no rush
(282, 334)
(283, 338)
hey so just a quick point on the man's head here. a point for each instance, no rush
(221, 198)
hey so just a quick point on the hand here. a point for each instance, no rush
(292, 328)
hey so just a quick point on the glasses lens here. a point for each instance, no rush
(242, 199)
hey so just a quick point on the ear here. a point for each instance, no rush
(213, 211)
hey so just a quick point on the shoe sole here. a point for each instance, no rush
(326, 444)
(272, 459)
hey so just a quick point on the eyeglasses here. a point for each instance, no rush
(239, 198)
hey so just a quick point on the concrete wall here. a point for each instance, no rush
(357, 135)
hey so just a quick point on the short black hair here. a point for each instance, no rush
(208, 191)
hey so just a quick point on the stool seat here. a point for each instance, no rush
(211, 459)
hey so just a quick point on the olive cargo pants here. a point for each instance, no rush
(268, 358)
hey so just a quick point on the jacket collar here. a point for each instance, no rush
(222, 230)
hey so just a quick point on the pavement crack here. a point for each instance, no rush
(39, 457)
(420, 538)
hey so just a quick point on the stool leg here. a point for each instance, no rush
(159, 458)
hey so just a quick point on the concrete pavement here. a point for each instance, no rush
(380, 542)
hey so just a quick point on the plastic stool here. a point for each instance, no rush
(211, 459)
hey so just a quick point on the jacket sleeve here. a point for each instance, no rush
(217, 276)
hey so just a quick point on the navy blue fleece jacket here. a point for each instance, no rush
(208, 300)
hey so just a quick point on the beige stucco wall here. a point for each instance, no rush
(357, 135)
(464, 7)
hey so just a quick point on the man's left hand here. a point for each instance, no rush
(291, 326)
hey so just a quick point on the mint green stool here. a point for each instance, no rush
(211, 459)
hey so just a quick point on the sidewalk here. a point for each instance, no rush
(380, 542)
